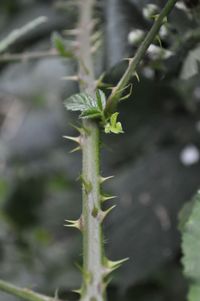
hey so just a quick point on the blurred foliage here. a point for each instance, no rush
(154, 176)
(191, 245)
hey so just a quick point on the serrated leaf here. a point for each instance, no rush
(91, 113)
(90, 107)
(101, 99)
(80, 102)
(60, 45)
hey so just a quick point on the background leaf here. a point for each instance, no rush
(191, 249)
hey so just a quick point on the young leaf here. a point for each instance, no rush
(59, 44)
(113, 126)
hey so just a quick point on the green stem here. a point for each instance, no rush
(92, 230)
(23, 293)
(134, 62)
(92, 288)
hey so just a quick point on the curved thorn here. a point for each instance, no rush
(107, 197)
(103, 214)
(104, 179)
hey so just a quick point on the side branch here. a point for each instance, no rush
(26, 56)
(23, 293)
(133, 62)
(18, 33)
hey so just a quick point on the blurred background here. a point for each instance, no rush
(156, 162)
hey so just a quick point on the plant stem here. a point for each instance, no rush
(134, 61)
(92, 236)
(18, 33)
(92, 288)
(26, 56)
(23, 293)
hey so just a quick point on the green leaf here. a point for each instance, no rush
(80, 102)
(101, 99)
(191, 247)
(91, 113)
(90, 107)
(113, 126)
(60, 45)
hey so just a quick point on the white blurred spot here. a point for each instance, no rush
(180, 5)
(135, 36)
(148, 72)
(163, 31)
(190, 155)
(156, 52)
(150, 10)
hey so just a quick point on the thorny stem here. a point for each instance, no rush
(92, 288)
(94, 268)
(23, 293)
(134, 61)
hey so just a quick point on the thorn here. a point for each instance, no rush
(128, 59)
(76, 149)
(103, 179)
(81, 130)
(128, 94)
(99, 82)
(107, 197)
(75, 139)
(96, 46)
(107, 282)
(159, 41)
(103, 214)
(96, 36)
(112, 89)
(137, 76)
(110, 265)
(77, 291)
(72, 78)
(79, 267)
(78, 224)
(72, 32)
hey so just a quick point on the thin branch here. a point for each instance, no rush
(18, 33)
(134, 61)
(27, 56)
(23, 293)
